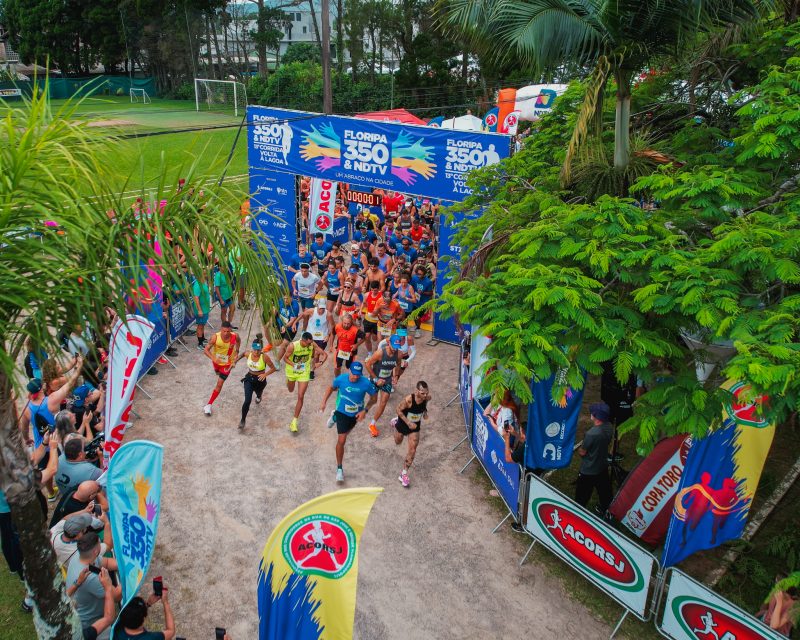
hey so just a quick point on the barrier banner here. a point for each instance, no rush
(157, 345)
(465, 382)
(309, 568)
(181, 315)
(321, 203)
(134, 498)
(273, 206)
(645, 499)
(341, 230)
(552, 423)
(406, 158)
(720, 478)
(603, 556)
(448, 263)
(125, 357)
(694, 612)
(490, 450)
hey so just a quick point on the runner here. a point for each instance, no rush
(385, 262)
(410, 413)
(374, 273)
(383, 368)
(320, 250)
(299, 359)
(348, 338)
(286, 316)
(371, 302)
(407, 350)
(305, 286)
(334, 281)
(222, 349)
(320, 324)
(350, 300)
(389, 315)
(424, 288)
(256, 378)
(353, 388)
(406, 295)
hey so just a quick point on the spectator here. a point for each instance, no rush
(34, 358)
(514, 444)
(503, 413)
(593, 473)
(64, 536)
(77, 500)
(94, 630)
(73, 467)
(201, 296)
(132, 617)
(87, 592)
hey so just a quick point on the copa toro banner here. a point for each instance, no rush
(644, 501)
(309, 568)
(490, 450)
(552, 423)
(129, 339)
(406, 158)
(322, 201)
(134, 498)
(273, 206)
(609, 560)
(692, 612)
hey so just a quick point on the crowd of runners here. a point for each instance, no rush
(355, 306)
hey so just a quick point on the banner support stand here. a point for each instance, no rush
(183, 344)
(433, 342)
(527, 553)
(452, 400)
(464, 468)
(169, 361)
(460, 442)
(619, 624)
(135, 415)
(508, 515)
(139, 387)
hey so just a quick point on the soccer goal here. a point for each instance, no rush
(139, 95)
(220, 95)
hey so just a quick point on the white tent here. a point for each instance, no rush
(463, 123)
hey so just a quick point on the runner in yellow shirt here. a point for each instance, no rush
(299, 359)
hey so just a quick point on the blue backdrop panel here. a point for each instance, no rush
(449, 262)
(410, 159)
(273, 205)
(490, 449)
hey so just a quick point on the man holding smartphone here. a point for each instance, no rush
(83, 581)
(132, 617)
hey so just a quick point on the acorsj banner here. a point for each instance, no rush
(720, 478)
(309, 568)
(490, 450)
(273, 206)
(644, 501)
(609, 560)
(134, 497)
(406, 158)
(552, 424)
(322, 200)
(125, 357)
(692, 612)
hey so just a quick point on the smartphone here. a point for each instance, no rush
(98, 510)
(158, 586)
(93, 569)
(506, 425)
(220, 631)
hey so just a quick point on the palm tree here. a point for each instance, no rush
(614, 38)
(85, 258)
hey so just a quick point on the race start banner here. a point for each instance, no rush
(720, 478)
(490, 450)
(309, 568)
(407, 158)
(273, 205)
(552, 423)
(125, 356)
(694, 612)
(606, 558)
(644, 501)
(322, 201)
(134, 498)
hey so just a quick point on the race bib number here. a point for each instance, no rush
(385, 374)
(334, 290)
(352, 408)
(222, 359)
(304, 291)
(371, 317)
(414, 417)
(404, 305)
(343, 355)
(318, 335)
(384, 330)
(299, 367)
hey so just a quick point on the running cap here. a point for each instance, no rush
(305, 265)
(357, 368)
(34, 385)
(396, 342)
(353, 269)
(600, 410)
(321, 303)
(402, 332)
(78, 524)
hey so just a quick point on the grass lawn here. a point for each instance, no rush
(15, 624)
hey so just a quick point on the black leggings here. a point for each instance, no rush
(10, 544)
(251, 384)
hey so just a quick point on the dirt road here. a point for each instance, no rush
(429, 567)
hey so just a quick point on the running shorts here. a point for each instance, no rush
(344, 423)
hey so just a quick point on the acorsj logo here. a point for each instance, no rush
(586, 545)
(701, 619)
(320, 545)
(491, 119)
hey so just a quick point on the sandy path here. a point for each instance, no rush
(430, 567)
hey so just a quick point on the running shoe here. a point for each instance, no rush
(339, 475)
(373, 430)
(417, 333)
(311, 375)
(293, 425)
(241, 424)
(200, 346)
(172, 351)
(52, 497)
(207, 409)
(331, 421)
(258, 399)
(404, 479)
(162, 360)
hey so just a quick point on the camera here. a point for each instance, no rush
(95, 444)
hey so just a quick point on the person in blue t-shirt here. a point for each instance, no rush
(423, 285)
(350, 407)
(298, 258)
(320, 251)
(407, 250)
(360, 234)
(286, 316)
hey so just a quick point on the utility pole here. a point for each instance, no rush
(327, 97)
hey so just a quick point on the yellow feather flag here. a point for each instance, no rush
(309, 568)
